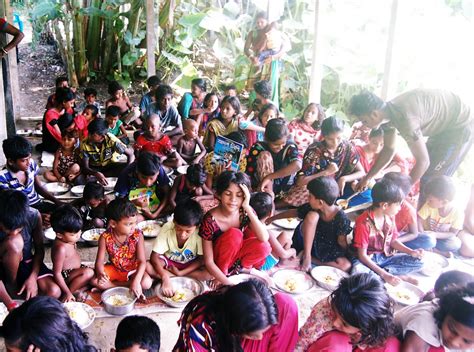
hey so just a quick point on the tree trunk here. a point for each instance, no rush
(80, 59)
(109, 46)
(94, 41)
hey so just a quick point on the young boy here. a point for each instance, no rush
(137, 333)
(191, 185)
(98, 149)
(92, 206)
(230, 90)
(177, 250)
(22, 173)
(146, 185)
(322, 235)
(440, 217)
(116, 127)
(375, 238)
(406, 219)
(21, 248)
(153, 82)
(186, 146)
(263, 205)
(61, 82)
(72, 277)
(90, 96)
(124, 244)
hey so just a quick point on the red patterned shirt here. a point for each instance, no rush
(122, 256)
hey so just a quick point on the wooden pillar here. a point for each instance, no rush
(389, 52)
(316, 64)
(150, 37)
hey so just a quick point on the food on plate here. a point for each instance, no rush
(149, 230)
(118, 300)
(78, 314)
(403, 295)
(343, 203)
(182, 295)
(291, 285)
(328, 279)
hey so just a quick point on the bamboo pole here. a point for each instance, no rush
(316, 65)
(150, 37)
(389, 52)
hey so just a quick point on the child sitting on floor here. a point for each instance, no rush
(66, 160)
(92, 206)
(137, 333)
(267, 112)
(90, 98)
(191, 185)
(186, 146)
(116, 127)
(177, 250)
(155, 141)
(358, 316)
(21, 248)
(443, 324)
(129, 113)
(406, 219)
(440, 217)
(98, 152)
(83, 120)
(225, 247)
(325, 227)
(69, 274)
(375, 238)
(224, 124)
(263, 205)
(124, 244)
(210, 112)
(146, 185)
(447, 281)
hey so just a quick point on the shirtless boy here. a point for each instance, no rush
(186, 146)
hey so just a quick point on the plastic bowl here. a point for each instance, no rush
(119, 293)
(78, 190)
(181, 284)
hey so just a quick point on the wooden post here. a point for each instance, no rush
(13, 70)
(150, 37)
(389, 51)
(316, 65)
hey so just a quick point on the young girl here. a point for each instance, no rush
(191, 185)
(267, 113)
(322, 236)
(244, 317)
(434, 326)
(90, 113)
(333, 156)
(209, 112)
(225, 123)
(307, 129)
(272, 163)
(222, 230)
(357, 317)
(66, 160)
(128, 112)
(155, 141)
(124, 244)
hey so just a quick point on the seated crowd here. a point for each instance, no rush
(220, 206)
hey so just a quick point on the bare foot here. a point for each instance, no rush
(81, 296)
(409, 279)
(448, 255)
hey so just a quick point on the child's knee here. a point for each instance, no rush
(14, 247)
(146, 282)
(88, 273)
(75, 169)
(52, 290)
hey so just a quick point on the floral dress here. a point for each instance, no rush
(303, 135)
(122, 256)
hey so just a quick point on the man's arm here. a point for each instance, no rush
(17, 38)
(420, 153)
(44, 192)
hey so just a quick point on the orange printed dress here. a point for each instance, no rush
(122, 257)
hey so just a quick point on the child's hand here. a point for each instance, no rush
(305, 264)
(101, 178)
(291, 252)
(30, 287)
(245, 189)
(417, 253)
(62, 179)
(266, 185)
(136, 288)
(167, 288)
(392, 280)
(175, 271)
(103, 278)
(332, 168)
(69, 298)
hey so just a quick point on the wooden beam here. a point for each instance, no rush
(316, 64)
(150, 37)
(389, 52)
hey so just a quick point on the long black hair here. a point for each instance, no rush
(362, 301)
(237, 310)
(43, 323)
(459, 304)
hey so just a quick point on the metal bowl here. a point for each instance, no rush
(49, 234)
(57, 188)
(189, 285)
(118, 309)
(81, 313)
(111, 181)
(150, 228)
(90, 236)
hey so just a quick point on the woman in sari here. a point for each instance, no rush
(332, 156)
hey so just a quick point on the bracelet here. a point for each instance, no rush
(4, 51)
(12, 306)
